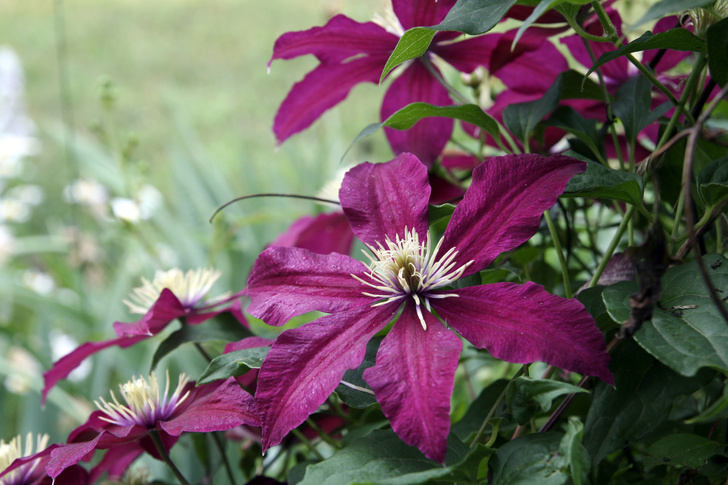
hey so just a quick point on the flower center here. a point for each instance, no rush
(145, 404)
(406, 267)
(189, 288)
(9, 452)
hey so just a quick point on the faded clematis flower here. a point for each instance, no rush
(171, 295)
(386, 205)
(124, 428)
(20, 466)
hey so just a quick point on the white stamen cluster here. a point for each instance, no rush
(9, 452)
(189, 288)
(145, 404)
(407, 268)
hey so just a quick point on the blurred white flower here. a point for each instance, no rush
(147, 201)
(27, 194)
(62, 345)
(23, 371)
(13, 210)
(86, 192)
(126, 209)
(41, 283)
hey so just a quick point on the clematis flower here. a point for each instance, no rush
(386, 205)
(20, 466)
(350, 53)
(124, 429)
(171, 295)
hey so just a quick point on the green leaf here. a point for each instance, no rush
(412, 44)
(712, 182)
(522, 118)
(529, 459)
(632, 106)
(605, 183)
(716, 411)
(717, 39)
(592, 300)
(573, 452)
(688, 332)
(233, 364)
(526, 396)
(354, 397)
(680, 450)
(644, 394)
(475, 17)
(616, 299)
(478, 410)
(382, 458)
(665, 7)
(541, 8)
(568, 119)
(221, 328)
(405, 118)
(676, 39)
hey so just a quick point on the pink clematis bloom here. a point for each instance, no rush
(21, 466)
(124, 429)
(350, 53)
(171, 295)
(387, 207)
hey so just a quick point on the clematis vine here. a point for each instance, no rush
(151, 420)
(169, 296)
(409, 281)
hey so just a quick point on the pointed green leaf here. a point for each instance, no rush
(680, 450)
(475, 17)
(542, 8)
(573, 452)
(665, 7)
(568, 119)
(359, 398)
(382, 458)
(716, 411)
(717, 38)
(632, 106)
(533, 458)
(605, 183)
(221, 328)
(233, 364)
(478, 410)
(712, 182)
(412, 44)
(522, 118)
(526, 396)
(676, 39)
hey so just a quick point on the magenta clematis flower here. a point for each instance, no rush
(124, 429)
(171, 295)
(386, 205)
(350, 53)
(20, 466)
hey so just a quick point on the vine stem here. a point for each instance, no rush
(221, 449)
(494, 407)
(297, 433)
(612, 246)
(165, 457)
(560, 253)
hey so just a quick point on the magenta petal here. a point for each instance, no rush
(67, 363)
(503, 206)
(525, 323)
(428, 136)
(194, 318)
(381, 200)
(413, 13)
(323, 234)
(286, 282)
(321, 89)
(69, 455)
(341, 38)
(217, 406)
(468, 54)
(305, 365)
(413, 381)
(116, 461)
(166, 309)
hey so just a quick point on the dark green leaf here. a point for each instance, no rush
(717, 38)
(475, 17)
(478, 410)
(632, 104)
(440, 214)
(591, 298)
(676, 39)
(616, 299)
(644, 394)
(541, 8)
(382, 458)
(665, 7)
(233, 364)
(574, 86)
(530, 459)
(221, 328)
(605, 183)
(526, 396)
(712, 182)
(360, 398)
(688, 332)
(573, 452)
(521, 118)
(716, 411)
(680, 450)
(412, 44)
(568, 119)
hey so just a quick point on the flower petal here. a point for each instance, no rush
(413, 13)
(166, 309)
(428, 136)
(381, 200)
(286, 282)
(217, 406)
(413, 380)
(70, 361)
(116, 461)
(341, 38)
(321, 89)
(323, 234)
(306, 364)
(503, 206)
(525, 323)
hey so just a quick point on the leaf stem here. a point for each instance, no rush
(559, 253)
(221, 448)
(297, 433)
(165, 456)
(493, 408)
(612, 246)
